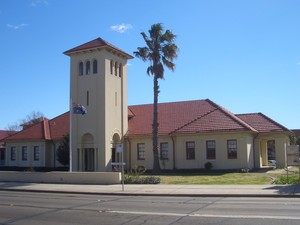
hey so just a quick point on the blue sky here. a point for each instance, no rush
(242, 54)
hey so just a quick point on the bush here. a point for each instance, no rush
(208, 165)
(133, 179)
(135, 176)
(292, 179)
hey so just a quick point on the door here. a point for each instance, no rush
(89, 159)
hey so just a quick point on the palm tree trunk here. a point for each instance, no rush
(156, 165)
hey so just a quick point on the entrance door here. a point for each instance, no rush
(89, 159)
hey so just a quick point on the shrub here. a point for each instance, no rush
(135, 176)
(133, 179)
(208, 165)
(292, 179)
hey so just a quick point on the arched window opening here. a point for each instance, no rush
(120, 70)
(80, 68)
(87, 68)
(87, 98)
(95, 66)
(116, 69)
(111, 66)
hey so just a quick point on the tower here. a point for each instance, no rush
(98, 81)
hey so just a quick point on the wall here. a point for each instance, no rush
(245, 158)
(62, 177)
(30, 162)
(244, 151)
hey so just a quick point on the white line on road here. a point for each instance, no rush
(208, 215)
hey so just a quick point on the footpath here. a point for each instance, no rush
(292, 191)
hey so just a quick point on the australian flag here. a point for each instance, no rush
(79, 109)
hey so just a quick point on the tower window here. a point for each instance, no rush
(80, 68)
(111, 66)
(116, 69)
(120, 70)
(87, 98)
(95, 66)
(87, 68)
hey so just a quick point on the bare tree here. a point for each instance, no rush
(31, 119)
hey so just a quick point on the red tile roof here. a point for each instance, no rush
(53, 129)
(296, 132)
(60, 126)
(261, 122)
(4, 134)
(184, 117)
(97, 43)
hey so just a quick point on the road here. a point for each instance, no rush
(66, 209)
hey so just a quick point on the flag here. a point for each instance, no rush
(79, 109)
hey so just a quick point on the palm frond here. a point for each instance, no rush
(142, 53)
(170, 51)
(168, 63)
(168, 36)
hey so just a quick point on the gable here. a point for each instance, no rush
(95, 44)
(261, 122)
(53, 129)
(184, 117)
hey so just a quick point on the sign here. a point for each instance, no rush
(118, 163)
(119, 148)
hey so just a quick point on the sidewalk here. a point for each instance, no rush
(160, 189)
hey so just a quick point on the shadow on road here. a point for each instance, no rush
(286, 189)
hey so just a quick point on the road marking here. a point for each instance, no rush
(207, 215)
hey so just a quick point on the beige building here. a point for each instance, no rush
(191, 133)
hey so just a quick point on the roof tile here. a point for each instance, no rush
(261, 122)
(97, 43)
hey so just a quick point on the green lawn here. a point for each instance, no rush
(220, 178)
(276, 176)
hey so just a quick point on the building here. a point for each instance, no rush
(35, 145)
(191, 133)
(3, 134)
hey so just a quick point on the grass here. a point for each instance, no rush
(219, 178)
(276, 176)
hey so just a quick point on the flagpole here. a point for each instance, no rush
(70, 137)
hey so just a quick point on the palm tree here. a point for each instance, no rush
(160, 51)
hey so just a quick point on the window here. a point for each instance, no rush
(111, 66)
(95, 66)
(36, 153)
(24, 153)
(120, 70)
(232, 149)
(87, 98)
(190, 150)
(164, 149)
(141, 151)
(87, 68)
(210, 149)
(80, 69)
(13, 153)
(116, 69)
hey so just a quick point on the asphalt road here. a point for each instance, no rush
(66, 209)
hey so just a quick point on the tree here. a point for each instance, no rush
(31, 119)
(160, 51)
(63, 151)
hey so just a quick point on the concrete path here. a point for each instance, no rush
(160, 189)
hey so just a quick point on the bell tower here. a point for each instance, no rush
(98, 92)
